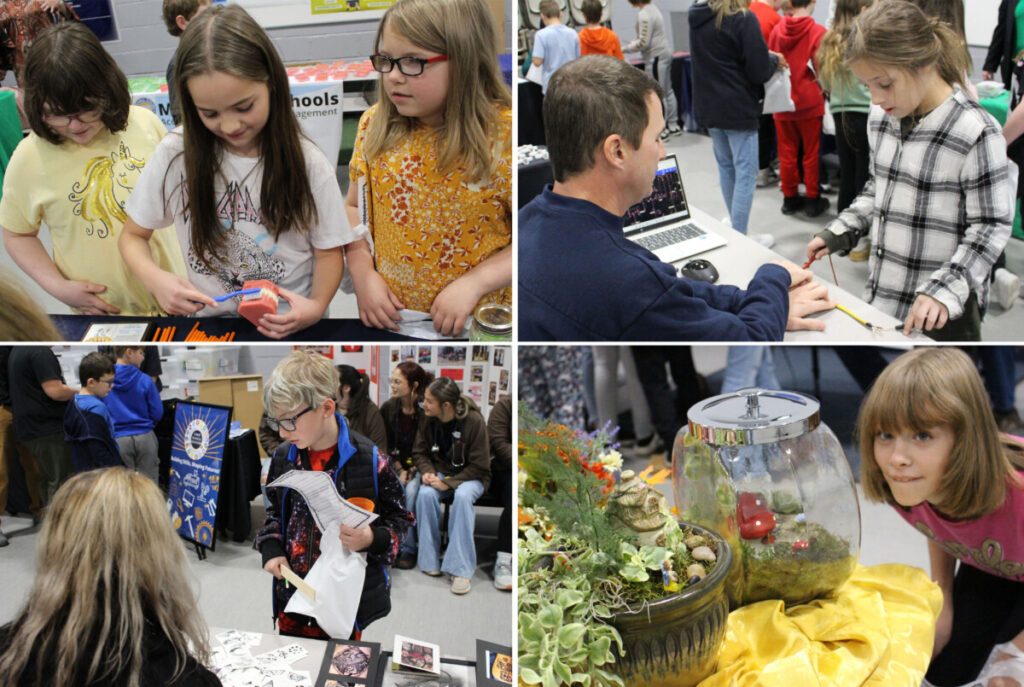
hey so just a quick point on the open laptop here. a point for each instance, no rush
(661, 222)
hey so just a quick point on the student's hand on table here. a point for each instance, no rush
(378, 305)
(177, 295)
(797, 274)
(816, 248)
(81, 295)
(304, 312)
(807, 299)
(926, 314)
(273, 566)
(356, 538)
(453, 306)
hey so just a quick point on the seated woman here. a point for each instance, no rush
(403, 418)
(360, 412)
(111, 603)
(453, 457)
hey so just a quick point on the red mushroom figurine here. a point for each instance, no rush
(756, 521)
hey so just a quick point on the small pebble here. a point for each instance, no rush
(801, 517)
(693, 580)
(695, 570)
(703, 553)
(694, 541)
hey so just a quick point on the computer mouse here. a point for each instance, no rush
(700, 270)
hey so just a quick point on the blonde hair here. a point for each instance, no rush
(304, 378)
(833, 73)
(109, 564)
(896, 33)
(724, 8)
(466, 32)
(21, 318)
(930, 387)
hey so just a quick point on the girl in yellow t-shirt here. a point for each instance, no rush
(75, 172)
(431, 171)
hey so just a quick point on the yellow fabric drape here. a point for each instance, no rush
(877, 630)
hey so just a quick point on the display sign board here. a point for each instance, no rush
(197, 454)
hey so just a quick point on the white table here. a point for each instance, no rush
(738, 260)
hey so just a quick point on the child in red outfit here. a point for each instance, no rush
(797, 37)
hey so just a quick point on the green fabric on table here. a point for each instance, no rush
(10, 131)
(998, 106)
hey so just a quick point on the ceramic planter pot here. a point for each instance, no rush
(674, 641)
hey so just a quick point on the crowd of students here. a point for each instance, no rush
(146, 222)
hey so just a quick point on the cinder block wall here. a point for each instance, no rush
(145, 46)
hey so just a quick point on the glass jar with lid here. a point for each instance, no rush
(491, 322)
(761, 469)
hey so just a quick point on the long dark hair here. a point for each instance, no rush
(414, 374)
(226, 39)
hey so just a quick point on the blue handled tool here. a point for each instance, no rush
(243, 292)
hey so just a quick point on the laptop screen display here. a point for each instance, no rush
(667, 202)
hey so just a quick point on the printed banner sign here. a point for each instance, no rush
(197, 454)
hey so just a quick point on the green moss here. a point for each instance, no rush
(778, 571)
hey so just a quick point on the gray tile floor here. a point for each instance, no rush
(791, 233)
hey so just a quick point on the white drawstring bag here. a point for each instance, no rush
(778, 93)
(337, 576)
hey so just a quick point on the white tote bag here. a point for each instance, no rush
(777, 93)
(337, 576)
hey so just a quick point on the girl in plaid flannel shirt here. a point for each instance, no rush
(938, 203)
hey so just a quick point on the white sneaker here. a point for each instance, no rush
(727, 221)
(460, 585)
(653, 444)
(503, 571)
(766, 240)
(1005, 287)
(767, 177)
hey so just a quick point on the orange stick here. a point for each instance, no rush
(156, 334)
(170, 336)
(191, 334)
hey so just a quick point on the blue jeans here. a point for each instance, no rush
(412, 488)
(736, 154)
(749, 366)
(460, 556)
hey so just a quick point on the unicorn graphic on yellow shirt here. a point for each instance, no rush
(106, 184)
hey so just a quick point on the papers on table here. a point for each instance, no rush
(235, 665)
(420, 325)
(325, 503)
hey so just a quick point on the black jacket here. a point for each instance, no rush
(92, 445)
(290, 527)
(157, 664)
(1004, 40)
(730, 67)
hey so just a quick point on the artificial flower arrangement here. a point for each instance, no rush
(595, 542)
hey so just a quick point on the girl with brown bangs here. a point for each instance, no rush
(930, 448)
(111, 604)
(74, 173)
(431, 170)
(250, 197)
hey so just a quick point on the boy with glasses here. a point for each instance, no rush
(88, 426)
(300, 403)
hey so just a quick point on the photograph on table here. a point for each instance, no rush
(743, 491)
(321, 106)
(212, 429)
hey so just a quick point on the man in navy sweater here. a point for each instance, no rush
(580, 278)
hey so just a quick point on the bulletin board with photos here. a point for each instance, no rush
(484, 373)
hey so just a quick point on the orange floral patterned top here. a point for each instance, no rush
(428, 227)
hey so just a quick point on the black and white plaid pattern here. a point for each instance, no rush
(939, 207)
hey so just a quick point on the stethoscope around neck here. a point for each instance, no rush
(457, 450)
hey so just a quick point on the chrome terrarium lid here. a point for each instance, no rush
(753, 416)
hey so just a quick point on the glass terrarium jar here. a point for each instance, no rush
(761, 469)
